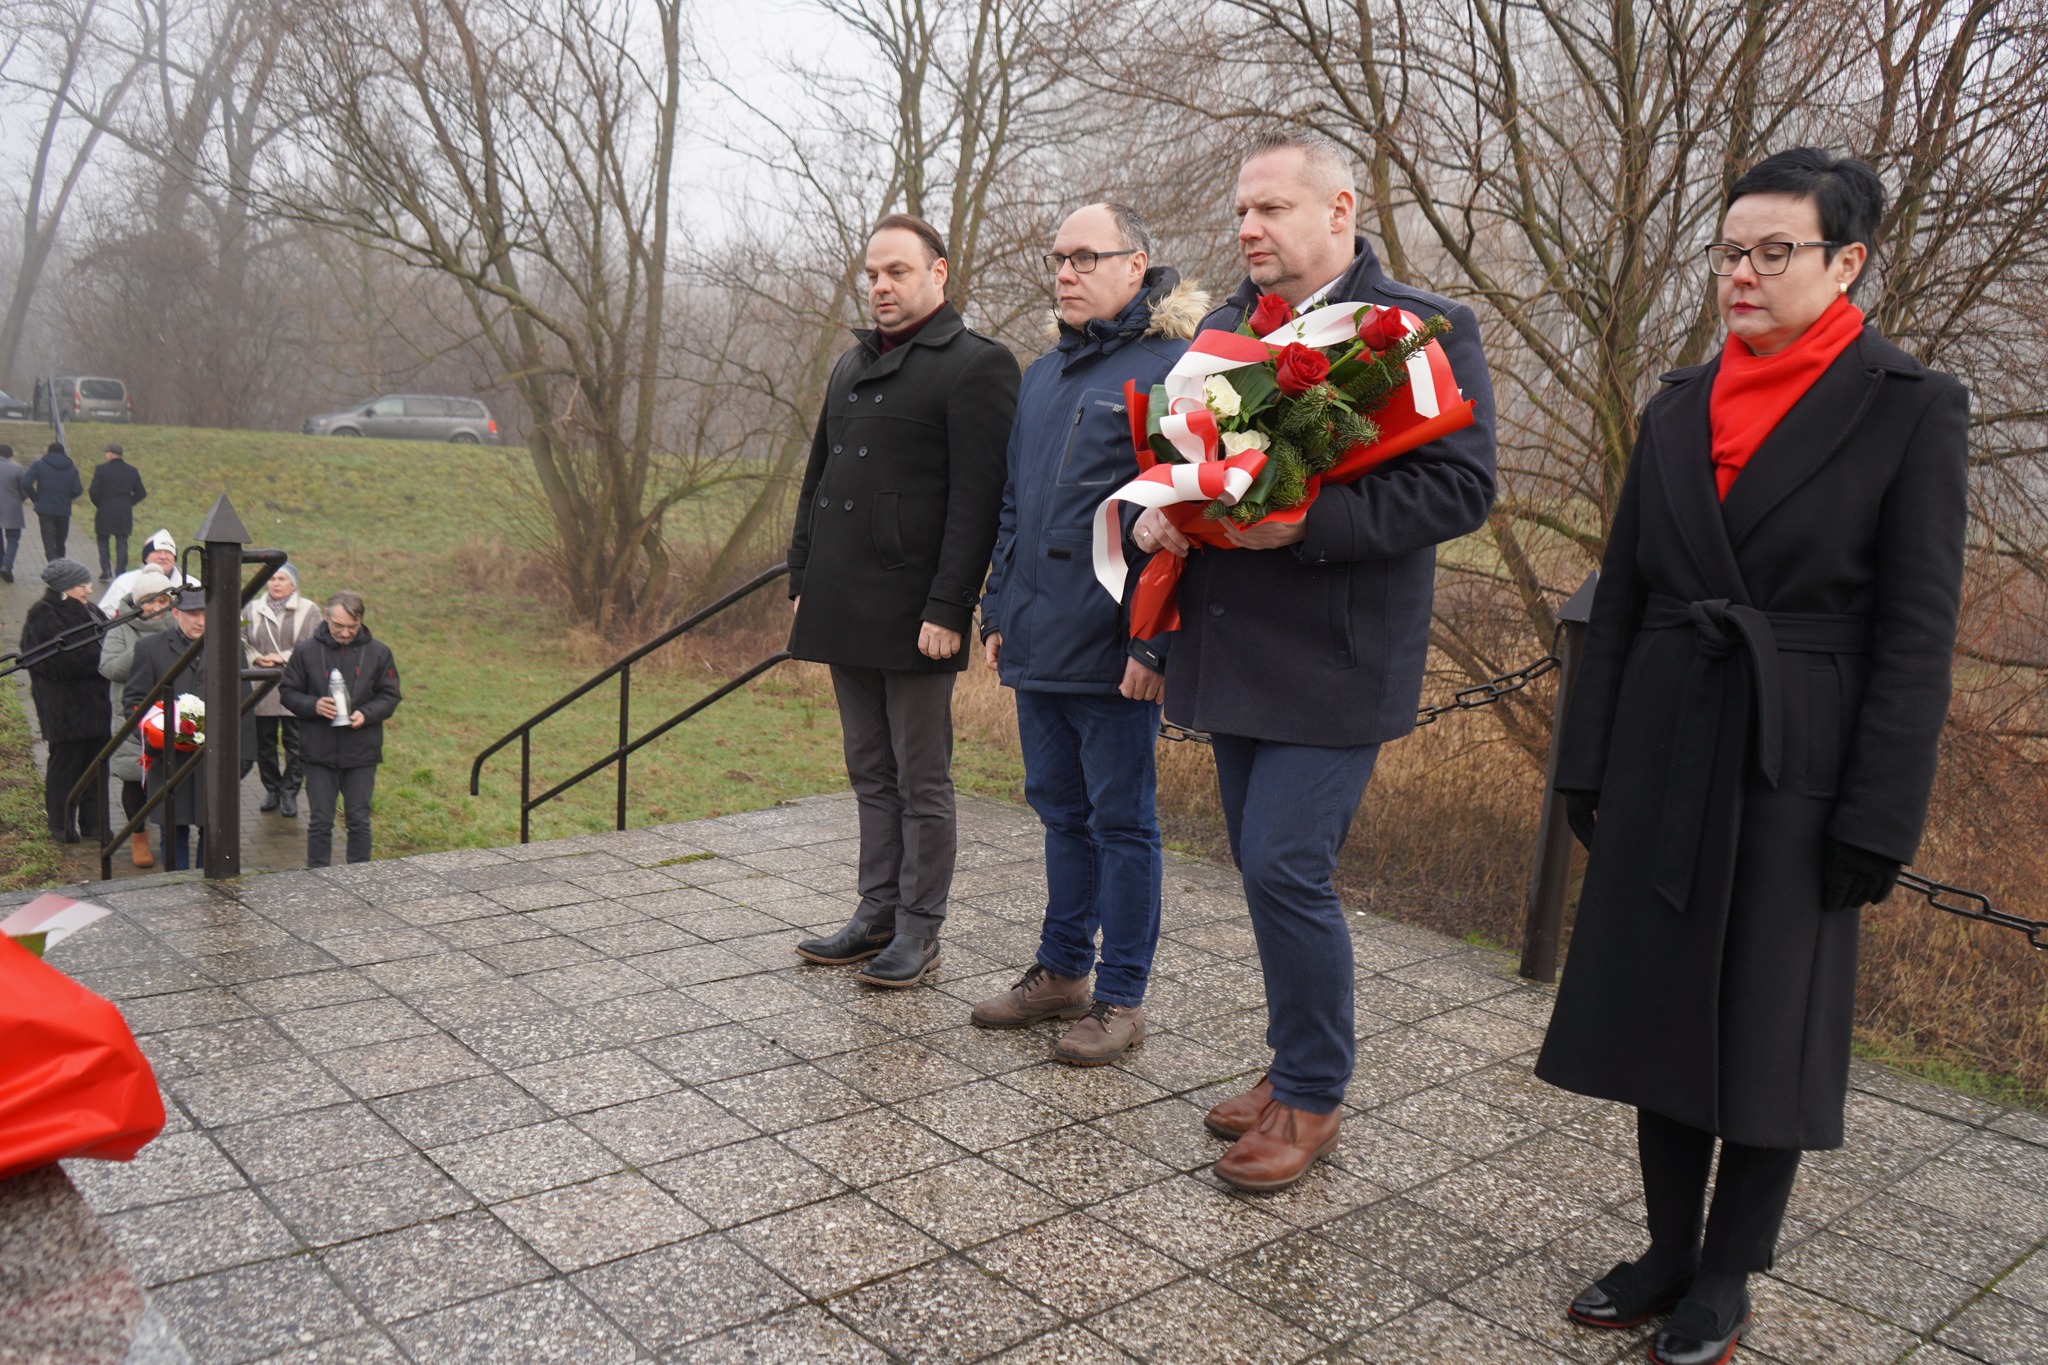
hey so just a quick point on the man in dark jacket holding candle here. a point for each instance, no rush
(341, 758)
(1302, 649)
(893, 531)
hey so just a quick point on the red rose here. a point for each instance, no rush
(1271, 313)
(1381, 329)
(1300, 368)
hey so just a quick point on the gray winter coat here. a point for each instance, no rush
(267, 629)
(117, 656)
(10, 495)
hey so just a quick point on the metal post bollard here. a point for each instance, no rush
(1543, 928)
(223, 536)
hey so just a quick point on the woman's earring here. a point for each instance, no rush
(1842, 288)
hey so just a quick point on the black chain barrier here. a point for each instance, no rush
(1954, 900)
(1465, 699)
(1974, 907)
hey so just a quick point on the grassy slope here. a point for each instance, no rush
(28, 856)
(421, 530)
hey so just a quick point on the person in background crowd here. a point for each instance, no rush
(151, 595)
(277, 622)
(1752, 739)
(1302, 651)
(340, 760)
(893, 531)
(116, 489)
(185, 809)
(70, 708)
(159, 552)
(52, 484)
(1087, 694)
(11, 520)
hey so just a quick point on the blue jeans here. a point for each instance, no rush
(176, 850)
(1088, 773)
(1288, 808)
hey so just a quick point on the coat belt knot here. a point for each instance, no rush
(1721, 631)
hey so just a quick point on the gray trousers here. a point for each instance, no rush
(898, 732)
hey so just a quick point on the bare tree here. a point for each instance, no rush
(72, 62)
(526, 155)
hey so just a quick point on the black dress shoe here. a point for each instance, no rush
(288, 805)
(269, 801)
(851, 944)
(1696, 1335)
(905, 962)
(1621, 1299)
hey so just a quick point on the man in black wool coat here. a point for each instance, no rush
(893, 532)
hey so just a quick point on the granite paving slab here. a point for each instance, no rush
(580, 1102)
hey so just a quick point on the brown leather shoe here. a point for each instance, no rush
(1037, 997)
(1104, 1034)
(1237, 1115)
(1280, 1149)
(138, 850)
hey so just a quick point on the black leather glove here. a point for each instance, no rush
(1579, 808)
(1856, 876)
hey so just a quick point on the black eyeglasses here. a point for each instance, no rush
(1083, 261)
(1765, 258)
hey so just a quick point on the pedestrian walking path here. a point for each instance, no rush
(578, 1102)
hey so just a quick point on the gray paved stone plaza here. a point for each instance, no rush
(577, 1102)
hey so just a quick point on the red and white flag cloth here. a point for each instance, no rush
(1413, 414)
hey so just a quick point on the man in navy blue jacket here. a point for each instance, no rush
(1087, 694)
(1302, 648)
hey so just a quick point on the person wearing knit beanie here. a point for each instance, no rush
(62, 575)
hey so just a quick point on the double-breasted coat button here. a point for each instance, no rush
(849, 504)
(862, 452)
(837, 449)
(853, 398)
(878, 398)
(1215, 608)
(822, 500)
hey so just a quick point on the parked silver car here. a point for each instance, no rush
(12, 409)
(410, 417)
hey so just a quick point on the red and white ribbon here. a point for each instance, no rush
(1162, 486)
(1334, 324)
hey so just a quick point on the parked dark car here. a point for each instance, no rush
(12, 409)
(410, 417)
(84, 398)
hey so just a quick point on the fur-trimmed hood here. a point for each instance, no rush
(1176, 307)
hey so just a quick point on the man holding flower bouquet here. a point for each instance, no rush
(1304, 608)
(184, 808)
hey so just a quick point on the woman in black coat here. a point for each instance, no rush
(1752, 739)
(71, 701)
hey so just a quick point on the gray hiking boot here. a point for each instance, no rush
(1038, 996)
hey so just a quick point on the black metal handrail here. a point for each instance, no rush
(96, 775)
(622, 753)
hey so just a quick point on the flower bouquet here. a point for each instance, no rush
(191, 712)
(1250, 425)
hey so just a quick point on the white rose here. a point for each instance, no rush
(1238, 442)
(1220, 397)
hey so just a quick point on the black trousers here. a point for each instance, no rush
(117, 562)
(353, 786)
(56, 530)
(1750, 1194)
(69, 758)
(897, 728)
(273, 732)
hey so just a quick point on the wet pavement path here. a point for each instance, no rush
(578, 1102)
